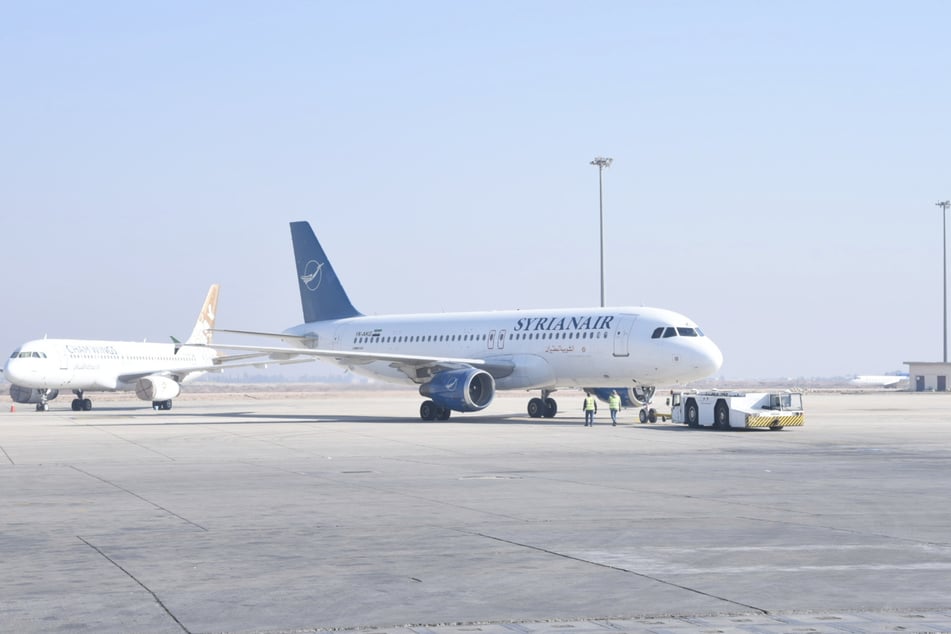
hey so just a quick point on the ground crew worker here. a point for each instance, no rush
(614, 404)
(590, 407)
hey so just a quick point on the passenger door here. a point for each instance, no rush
(622, 334)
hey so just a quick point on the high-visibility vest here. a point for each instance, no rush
(589, 404)
(614, 402)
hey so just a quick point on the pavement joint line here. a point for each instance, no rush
(848, 531)
(382, 489)
(857, 622)
(131, 442)
(141, 585)
(618, 568)
(136, 495)
(6, 455)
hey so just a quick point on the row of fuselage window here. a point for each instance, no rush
(42, 355)
(512, 336)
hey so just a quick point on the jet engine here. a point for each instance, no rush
(157, 388)
(21, 394)
(466, 390)
(630, 396)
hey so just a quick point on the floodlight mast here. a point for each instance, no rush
(602, 162)
(944, 252)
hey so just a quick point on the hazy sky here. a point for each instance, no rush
(776, 166)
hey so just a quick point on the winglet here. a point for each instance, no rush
(321, 294)
(206, 318)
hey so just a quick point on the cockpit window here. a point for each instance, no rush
(670, 331)
(15, 354)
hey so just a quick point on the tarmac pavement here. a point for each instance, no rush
(257, 514)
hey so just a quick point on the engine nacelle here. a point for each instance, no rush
(21, 394)
(466, 390)
(630, 396)
(157, 388)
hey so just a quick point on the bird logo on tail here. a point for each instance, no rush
(313, 273)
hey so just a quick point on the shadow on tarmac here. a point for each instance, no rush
(143, 417)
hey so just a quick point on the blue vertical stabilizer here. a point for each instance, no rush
(321, 294)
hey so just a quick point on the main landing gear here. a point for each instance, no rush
(79, 403)
(543, 407)
(157, 405)
(430, 411)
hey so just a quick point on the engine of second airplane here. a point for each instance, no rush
(464, 390)
(21, 394)
(157, 388)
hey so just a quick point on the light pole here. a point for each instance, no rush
(944, 251)
(601, 162)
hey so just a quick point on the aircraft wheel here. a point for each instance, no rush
(427, 411)
(77, 405)
(721, 416)
(652, 415)
(642, 416)
(85, 404)
(443, 413)
(39, 407)
(535, 407)
(551, 408)
(167, 404)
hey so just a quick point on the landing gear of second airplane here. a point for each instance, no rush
(79, 403)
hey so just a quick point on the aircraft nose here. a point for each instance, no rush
(10, 371)
(712, 357)
(703, 357)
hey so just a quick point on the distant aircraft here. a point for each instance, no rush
(883, 380)
(39, 369)
(459, 360)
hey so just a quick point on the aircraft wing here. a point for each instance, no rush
(271, 335)
(218, 364)
(417, 367)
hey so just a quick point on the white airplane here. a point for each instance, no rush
(39, 369)
(459, 360)
(881, 380)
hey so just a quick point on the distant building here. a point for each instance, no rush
(928, 376)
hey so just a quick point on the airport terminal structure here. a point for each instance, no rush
(928, 376)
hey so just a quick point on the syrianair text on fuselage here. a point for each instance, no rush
(534, 324)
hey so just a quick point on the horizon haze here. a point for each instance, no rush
(776, 167)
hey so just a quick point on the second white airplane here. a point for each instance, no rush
(459, 360)
(39, 369)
